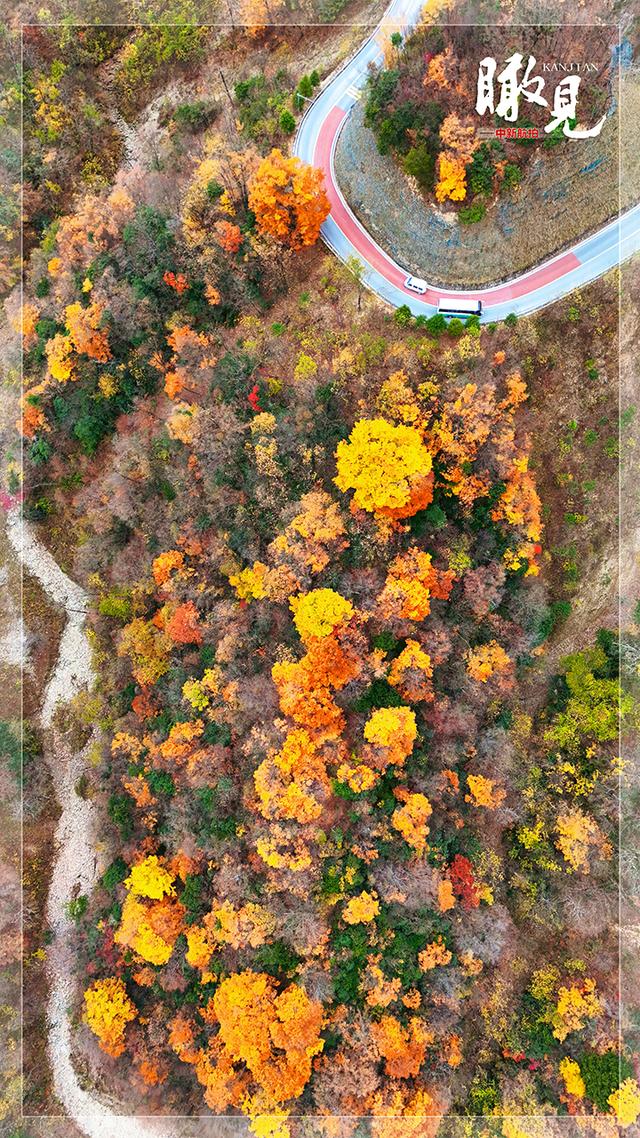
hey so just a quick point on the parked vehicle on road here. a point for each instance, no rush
(416, 284)
(454, 306)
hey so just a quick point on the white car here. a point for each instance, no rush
(416, 284)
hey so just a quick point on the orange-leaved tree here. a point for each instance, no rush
(288, 199)
(273, 1036)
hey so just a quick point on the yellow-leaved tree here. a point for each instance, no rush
(108, 1010)
(452, 178)
(388, 467)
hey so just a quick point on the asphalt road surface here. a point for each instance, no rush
(315, 143)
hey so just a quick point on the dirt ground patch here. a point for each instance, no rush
(568, 193)
(27, 836)
(581, 425)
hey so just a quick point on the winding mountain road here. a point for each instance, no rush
(315, 142)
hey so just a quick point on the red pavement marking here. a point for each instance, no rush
(534, 280)
(342, 217)
(374, 256)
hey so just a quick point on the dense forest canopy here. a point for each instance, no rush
(358, 839)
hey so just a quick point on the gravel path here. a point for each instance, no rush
(570, 193)
(75, 865)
